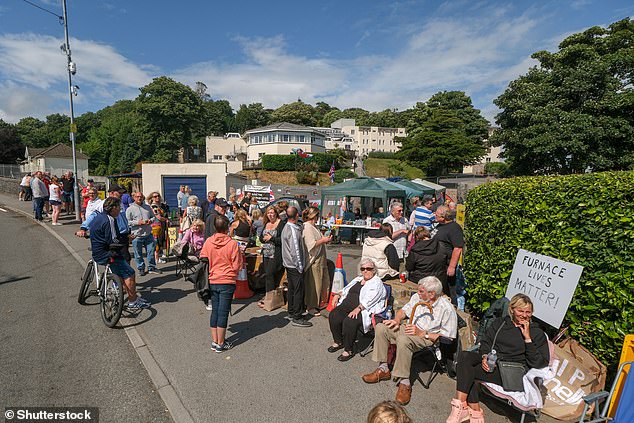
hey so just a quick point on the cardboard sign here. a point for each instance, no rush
(549, 282)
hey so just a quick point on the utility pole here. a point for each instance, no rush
(73, 128)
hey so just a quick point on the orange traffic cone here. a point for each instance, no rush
(338, 282)
(242, 285)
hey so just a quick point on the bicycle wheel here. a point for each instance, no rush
(112, 300)
(86, 280)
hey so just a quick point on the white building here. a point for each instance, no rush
(282, 138)
(367, 139)
(492, 156)
(335, 138)
(231, 147)
(57, 160)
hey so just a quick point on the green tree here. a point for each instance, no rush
(298, 113)
(321, 110)
(440, 144)
(574, 111)
(32, 133)
(86, 123)
(386, 119)
(361, 116)
(331, 116)
(11, 147)
(172, 115)
(57, 129)
(219, 118)
(252, 116)
(475, 126)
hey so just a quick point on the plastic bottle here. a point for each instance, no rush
(338, 281)
(388, 313)
(460, 300)
(492, 359)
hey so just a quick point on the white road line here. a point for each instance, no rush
(1, 209)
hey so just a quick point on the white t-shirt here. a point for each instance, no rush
(400, 243)
(53, 192)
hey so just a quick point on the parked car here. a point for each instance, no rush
(300, 203)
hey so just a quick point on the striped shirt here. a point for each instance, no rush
(424, 217)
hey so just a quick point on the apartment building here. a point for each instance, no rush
(365, 139)
(492, 156)
(282, 138)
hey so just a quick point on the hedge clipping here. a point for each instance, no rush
(584, 219)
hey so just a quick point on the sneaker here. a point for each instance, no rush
(155, 271)
(208, 306)
(161, 261)
(163, 256)
(143, 300)
(301, 323)
(137, 305)
(142, 272)
(221, 348)
(459, 412)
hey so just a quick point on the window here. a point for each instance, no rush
(352, 132)
(302, 138)
(217, 156)
(286, 138)
(347, 147)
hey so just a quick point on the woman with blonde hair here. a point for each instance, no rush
(388, 412)
(317, 278)
(195, 237)
(257, 224)
(159, 228)
(191, 213)
(240, 229)
(271, 239)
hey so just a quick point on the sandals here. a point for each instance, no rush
(332, 348)
(261, 304)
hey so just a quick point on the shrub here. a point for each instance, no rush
(323, 161)
(583, 219)
(342, 174)
(382, 155)
(307, 173)
(279, 162)
(496, 168)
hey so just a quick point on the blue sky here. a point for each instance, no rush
(349, 53)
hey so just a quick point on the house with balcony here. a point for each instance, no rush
(282, 138)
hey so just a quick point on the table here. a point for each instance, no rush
(363, 229)
(402, 292)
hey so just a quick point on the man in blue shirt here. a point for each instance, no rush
(104, 231)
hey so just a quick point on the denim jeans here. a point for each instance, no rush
(38, 207)
(221, 297)
(149, 243)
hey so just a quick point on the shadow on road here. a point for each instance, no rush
(256, 326)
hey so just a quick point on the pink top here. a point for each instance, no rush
(195, 241)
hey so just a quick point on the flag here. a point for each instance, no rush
(331, 173)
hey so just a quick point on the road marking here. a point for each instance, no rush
(3, 210)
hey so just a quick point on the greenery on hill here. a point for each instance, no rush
(385, 168)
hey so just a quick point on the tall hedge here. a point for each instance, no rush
(290, 162)
(584, 219)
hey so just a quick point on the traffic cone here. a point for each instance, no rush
(338, 282)
(242, 285)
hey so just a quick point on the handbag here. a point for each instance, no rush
(273, 299)
(177, 249)
(511, 373)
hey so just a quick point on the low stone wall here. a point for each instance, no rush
(9, 186)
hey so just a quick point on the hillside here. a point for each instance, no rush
(281, 178)
(385, 168)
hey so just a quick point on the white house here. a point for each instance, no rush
(57, 160)
(282, 138)
(231, 147)
(366, 139)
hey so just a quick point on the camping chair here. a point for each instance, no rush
(532, 409)
(440, 351)
(185, 263)
(624, 408)
(389, 301)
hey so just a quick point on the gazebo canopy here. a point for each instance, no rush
(418, 189)
(435, 187)
(364, 187)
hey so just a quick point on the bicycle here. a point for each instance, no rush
(109, 289)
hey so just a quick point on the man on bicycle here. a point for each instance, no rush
(105, 231)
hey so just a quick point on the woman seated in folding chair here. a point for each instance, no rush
(364, 296)
(195, 237)
(515, 339)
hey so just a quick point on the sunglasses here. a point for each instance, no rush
(156, 196)
(363, 269)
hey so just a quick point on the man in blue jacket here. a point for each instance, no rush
(104, 231)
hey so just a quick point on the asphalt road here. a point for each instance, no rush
(53, 351)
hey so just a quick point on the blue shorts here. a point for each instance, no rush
(67, 197)
(121, 268)
(55, 203)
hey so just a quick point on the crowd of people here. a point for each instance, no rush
(51, 195)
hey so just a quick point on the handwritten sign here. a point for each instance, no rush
(549, 282)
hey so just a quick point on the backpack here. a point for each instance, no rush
(499, 308)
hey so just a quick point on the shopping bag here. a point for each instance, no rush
(577, 373)
(273, 299)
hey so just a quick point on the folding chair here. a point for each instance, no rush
(439, 351)
(389, 302)
(625, 407)
(185, 263)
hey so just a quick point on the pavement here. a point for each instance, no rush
(275, 372)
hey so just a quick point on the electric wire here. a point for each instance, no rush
(61, 18)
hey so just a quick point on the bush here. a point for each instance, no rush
(583, 219)
(323, 161)
(307, 173)
(382, 155)
(342, 174)
(279, 162)
(497, 169)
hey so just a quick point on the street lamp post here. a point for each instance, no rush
(73, 128)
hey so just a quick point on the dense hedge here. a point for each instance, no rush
(289, 162)
(583, 219)
(279, 162)
(382, 155)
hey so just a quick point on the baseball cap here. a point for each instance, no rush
(117, 188)
(221, 202)
(91, 180)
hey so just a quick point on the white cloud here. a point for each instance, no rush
(18, 101)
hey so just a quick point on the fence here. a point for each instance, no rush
(10, 171)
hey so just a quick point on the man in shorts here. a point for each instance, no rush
(104, 231)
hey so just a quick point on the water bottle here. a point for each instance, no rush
(388, 313)
(460, 300)
(492, 358)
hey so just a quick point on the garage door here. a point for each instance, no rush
(171, 185)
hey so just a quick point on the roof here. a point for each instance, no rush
(57, 150)
(428, 184)
(283, 126)
(364, 187)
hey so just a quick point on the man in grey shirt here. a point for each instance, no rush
(40, 192)
(294, 257)
(140, 216)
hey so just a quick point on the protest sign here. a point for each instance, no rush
(549, 282)
(262, 193)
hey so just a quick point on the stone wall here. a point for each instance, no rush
(9, 186)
